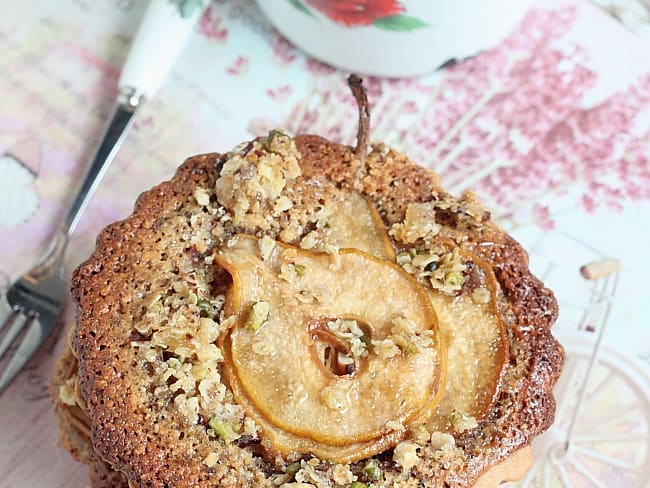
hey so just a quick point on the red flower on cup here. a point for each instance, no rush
(357, 12)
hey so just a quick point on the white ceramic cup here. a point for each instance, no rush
(393, 38)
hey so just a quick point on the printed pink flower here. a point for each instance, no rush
(542, 217)
(239, 66)
(511, 123)
(280, 93)
(283, 51)
(211, 26)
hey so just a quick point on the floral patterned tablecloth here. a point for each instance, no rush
(551, 128)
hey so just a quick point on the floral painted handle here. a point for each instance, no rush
(383, 14)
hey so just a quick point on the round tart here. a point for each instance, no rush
(301, 313)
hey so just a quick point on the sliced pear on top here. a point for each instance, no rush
(355, 223)
(275, 440)
(477, 351)
(273, 361)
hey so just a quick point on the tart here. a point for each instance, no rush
(301, 313)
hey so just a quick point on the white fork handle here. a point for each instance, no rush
(161, 36)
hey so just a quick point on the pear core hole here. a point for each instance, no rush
(333, 352)
(337, 362)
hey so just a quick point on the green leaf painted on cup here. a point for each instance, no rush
(187, 8)
(298, 4)
(399, 23)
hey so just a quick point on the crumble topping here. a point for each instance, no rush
(309, 474)
(66, 392)
(267, 244)
(211, 460)
(418, 224)
(481, 295)
(405, 455)
(442, 441)
(201, 196)
(450, 273)
(258, 182)
(420, 435)
(351, 334)
(254, 178)
(461, 421)
(341, 475)
(339, 394)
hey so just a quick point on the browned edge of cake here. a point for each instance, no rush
(524, 408)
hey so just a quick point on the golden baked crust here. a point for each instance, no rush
(145, 437)
(513, 468)
(73, 421)
(165, 409)
(74, 424)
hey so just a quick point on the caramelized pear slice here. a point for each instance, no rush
(355, 223)
(273, 360)
(477, 350)
(277, 441)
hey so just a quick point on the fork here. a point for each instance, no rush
(35, 302)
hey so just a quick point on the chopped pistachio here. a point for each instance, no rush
(206, 309)
(208, 331)
(271, 138)
(258, 315)
(342, 475)
(372, 470)
(223, 430)
(453, 278)
(301, 269)
(201, 372)
(385, 348)
(292, 469)
(358, 484)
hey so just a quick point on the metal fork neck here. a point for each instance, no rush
(52, 261)
(120, 120)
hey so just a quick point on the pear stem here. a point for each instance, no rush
(363, 132)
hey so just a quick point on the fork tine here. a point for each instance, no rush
(15, 326)
(5, 310)
(30, 342)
